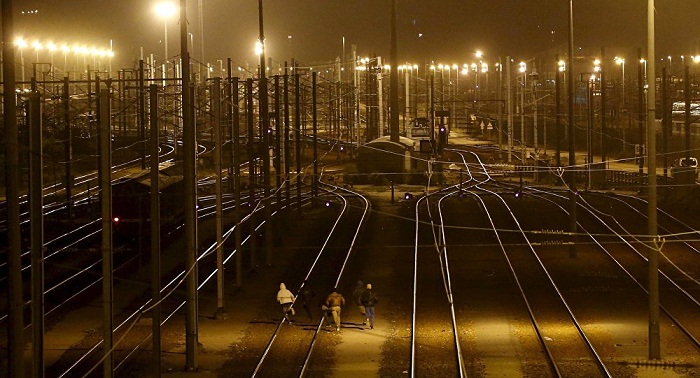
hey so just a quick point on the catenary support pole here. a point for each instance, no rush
(509, 107)
(218, 146)
(36, 223)
(687, 99)
(142, 115)
(557, 133)
(238, 233)
(665, 119)
(640, 108)
(573, 193)
(287, 183)
(394, 79)
(603, 114)
(252, 162)
(297, 138)
(106, 210)
(189, 158)
(265, 136)
(654, 329)
(68, 146)
(15, 323)
(278, 142)
(314, 90)
(155, 230)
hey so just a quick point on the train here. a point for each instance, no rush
(131, 203)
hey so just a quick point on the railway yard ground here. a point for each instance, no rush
(445, 291)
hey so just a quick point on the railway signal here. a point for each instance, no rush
(442, 138)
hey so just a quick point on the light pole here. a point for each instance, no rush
(590, 88)
(52, 49)
(561, 72)
(621, 62)
(200, 17)
(37, 46)
(449, 91)
(533, 74)
(442, 86)
(165, 10)
(65, 50)
(475, 69)
(652, 229)
(456, 90)
(22, 44)
(522, 68)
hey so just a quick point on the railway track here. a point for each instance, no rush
(292, 348)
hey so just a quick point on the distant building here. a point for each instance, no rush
(384, 156)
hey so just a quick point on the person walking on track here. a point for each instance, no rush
(359, 289)
(335, 301)
(369, 299)
(286, 299)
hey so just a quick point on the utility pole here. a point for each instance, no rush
(155, 232)
(509, 106)
(557, 88)
(640, 106)
(216, 110)
(265, 136)
(190, 182)
(105, 138)
(654, 329)
(15, 324)
(573, 195)
(603, 115)
(68, 146)
(394, 101)
(523, 145)
(36, 226)
(500, 109)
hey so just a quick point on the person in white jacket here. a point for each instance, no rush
(286, 299)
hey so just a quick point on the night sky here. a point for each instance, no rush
(439, 30)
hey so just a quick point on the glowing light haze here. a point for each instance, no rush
(312, 30)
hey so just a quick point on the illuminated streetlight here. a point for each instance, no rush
(165, 10)
(522, 68)
(621, 62)
(37, 46)
(21, 44)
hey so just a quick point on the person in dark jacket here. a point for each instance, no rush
(306, 296)
(334, 301)
(369, 299)
(359, 289)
